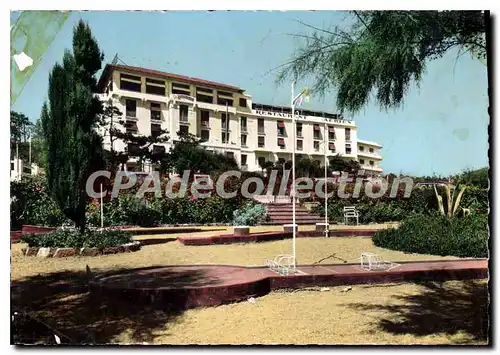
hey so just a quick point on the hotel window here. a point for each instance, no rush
(281, 143)
(182, 89)
(132, 167)
(230, 155)
(155, 87)
(133, 149)
(261, 142)
(371, 150)
(261, 161)
(243, 102)
(317, 131)
(361, 161)
(183, 113)
(331, 146)
(331, 133)
(223, 121)
(300, 144)
(205, 135)
(225, 137)
(205, 119)
(224, 98)
(260, 126)
(243, 140)
(316, 145)
(347, 134)
(131, 127)
(243, 123)
(361, 149)
(348, 149)
(131, 108)
(155, 111)
(372, 163)
(155, 129)
(281, 129)
(299, 129)
(130, 82)
(243, 159)
(183, 130)
(205, 95)
(158, 149)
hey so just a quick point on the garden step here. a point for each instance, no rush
(282, 213)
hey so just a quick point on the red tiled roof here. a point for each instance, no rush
(110, 68)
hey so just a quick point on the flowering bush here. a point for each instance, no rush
(74, 239)
(251, 214)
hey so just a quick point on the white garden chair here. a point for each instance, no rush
(373, 262)
(351, 212)
(282, 264)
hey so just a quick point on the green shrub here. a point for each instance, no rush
(388, 209)
(73, 239)
(251, 214)
(31, 204)
(128, 210)
(438, 235)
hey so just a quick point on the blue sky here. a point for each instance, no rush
(441, 129)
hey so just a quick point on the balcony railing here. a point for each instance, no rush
(183, 119)
(205, 124)
(244, 129)
(261, 131)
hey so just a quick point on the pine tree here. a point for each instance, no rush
(69, 121)
(382, 53)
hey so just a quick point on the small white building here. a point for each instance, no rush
(18, 168)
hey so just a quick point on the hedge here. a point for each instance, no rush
(389, 209)
(438, 235)
(73, 239)
(128, 210)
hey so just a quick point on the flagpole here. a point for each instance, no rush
(102, 210)
(29, 142)
(326, 183)
(293, 173)
(227, 126)
(17, 159)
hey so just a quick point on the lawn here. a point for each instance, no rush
(54, 291)
(452, 312)
(429, 313)
(171, 252)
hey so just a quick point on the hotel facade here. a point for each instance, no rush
(227, 121)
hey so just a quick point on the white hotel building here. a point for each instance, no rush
(227, 120)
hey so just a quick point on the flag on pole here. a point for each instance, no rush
(303, 96)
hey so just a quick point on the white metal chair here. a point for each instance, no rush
(351, 212)
(373, 262)
(282, 264)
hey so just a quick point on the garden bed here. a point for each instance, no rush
(66, 252)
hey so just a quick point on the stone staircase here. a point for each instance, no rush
(281, 213)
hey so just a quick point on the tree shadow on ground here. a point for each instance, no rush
(62, 301)
(155, 241)
(440, 308)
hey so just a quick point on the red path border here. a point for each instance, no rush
(223, 238)
(268, 236)
(193, 286)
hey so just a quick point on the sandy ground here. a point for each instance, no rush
(453, 312)
(309, 250)
(382, 314)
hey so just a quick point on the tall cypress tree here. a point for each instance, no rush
(69, 120)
